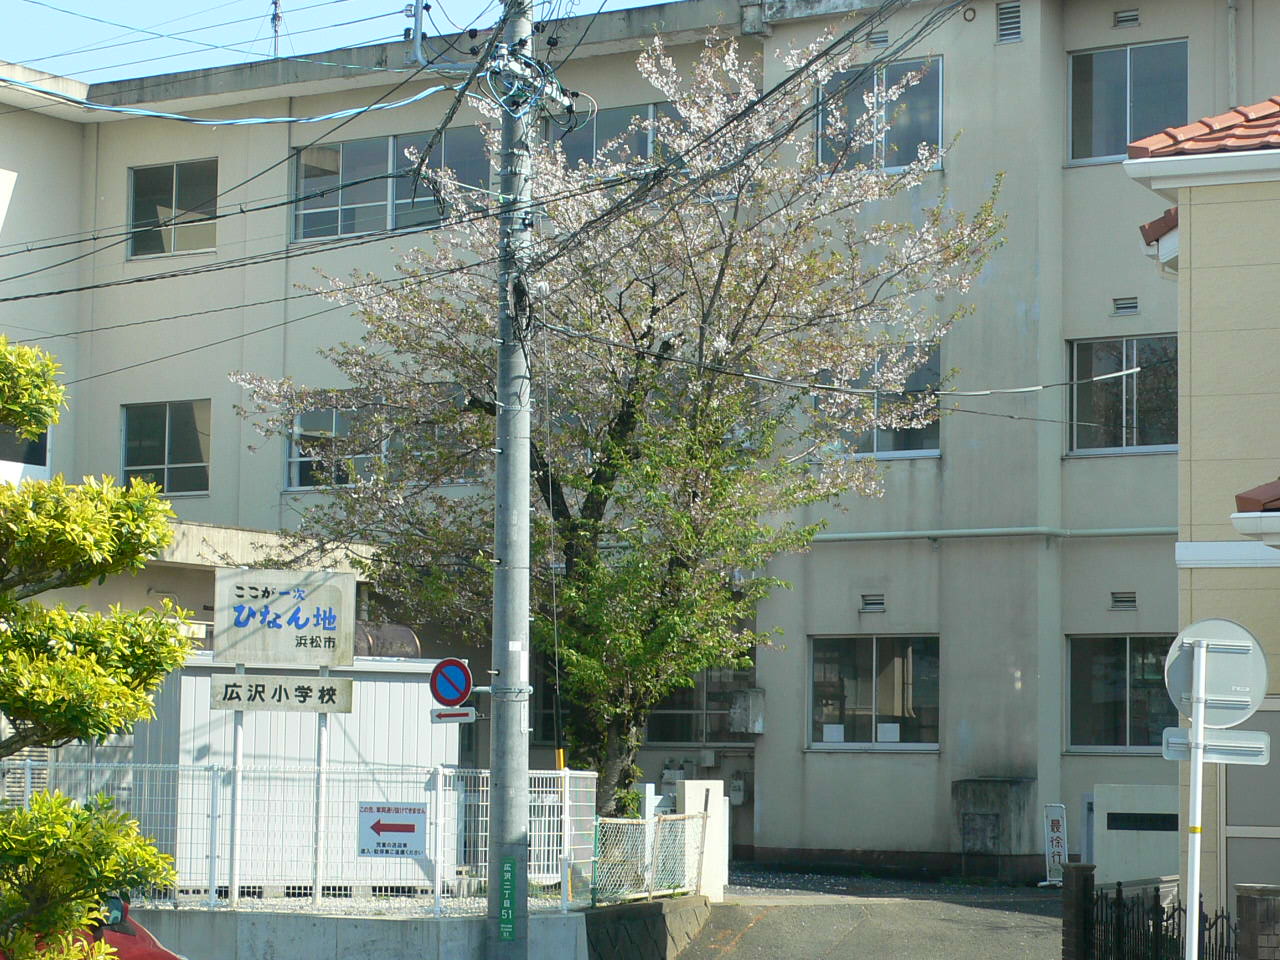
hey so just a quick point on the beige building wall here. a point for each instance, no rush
(1228, 277)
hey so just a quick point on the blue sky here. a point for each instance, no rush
(67, 37)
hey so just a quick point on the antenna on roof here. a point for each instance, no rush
(276, 19)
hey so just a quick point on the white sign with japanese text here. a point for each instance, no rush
(251, 691)
(1055, 842)
(390, 829)
(283, 617)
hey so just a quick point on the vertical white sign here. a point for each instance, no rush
(1055, 842)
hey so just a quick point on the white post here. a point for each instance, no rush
(237, 761)
(437, 868)
(1194, 813)
(26, 784)
(564, 841)
(215, 788)
(322, 759)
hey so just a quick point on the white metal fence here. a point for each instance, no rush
(258, 835)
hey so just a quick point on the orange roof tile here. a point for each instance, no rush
(1255, 127)
(1259, 499)
(1157, 228)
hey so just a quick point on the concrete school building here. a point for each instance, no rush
(984, 639)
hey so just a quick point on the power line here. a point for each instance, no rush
(337, 244)
(153, 36)
(229, 47)
(217, 121)
(814, 386)
(263, 172)
(93, 45)
(402, 282)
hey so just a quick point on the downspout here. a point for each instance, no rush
(1233, 92)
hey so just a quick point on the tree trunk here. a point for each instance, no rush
(617, 766)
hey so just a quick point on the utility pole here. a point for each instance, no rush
(508, 916)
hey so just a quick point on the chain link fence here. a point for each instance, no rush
(382, 840)
(644, 858)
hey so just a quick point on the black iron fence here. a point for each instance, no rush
(1139, 926)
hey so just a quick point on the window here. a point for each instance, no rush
(1124, 94)
(875, 690)
(700, 714)
(312, 443)
(172, 206)
(915, 117)
(584, 142)
(348, 188)
(1118, 697)
(1127, 411)
(902, 442)
(16, 449)
(168, 444)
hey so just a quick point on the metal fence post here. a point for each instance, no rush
(237, 783)
(595, 859)
(215, 788)
(26, 783)
(653, 859)
(437, 807)
(564, 841)
(318, 837)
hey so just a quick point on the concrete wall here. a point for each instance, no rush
(231, 935)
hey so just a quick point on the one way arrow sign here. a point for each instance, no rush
(379, 827)
(388, 828)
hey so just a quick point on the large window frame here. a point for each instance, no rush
(1080, 155)
(897, 443)
(824, 690)
(1149, 696)
(384, 200)
(180, 230)
(1088, 395)
(617, 120)
(176, 471)
(883, 153)
(304, 470)
(704, 706)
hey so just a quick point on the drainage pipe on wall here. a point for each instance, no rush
(975, 532)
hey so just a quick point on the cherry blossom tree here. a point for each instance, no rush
(716, 312)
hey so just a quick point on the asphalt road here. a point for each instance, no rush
(777, 916)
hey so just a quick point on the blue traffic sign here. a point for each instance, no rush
(451, 682)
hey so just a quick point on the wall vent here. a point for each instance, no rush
(1008, 22)
(1124, 600)
(873, 603)
(1120, 305)
(878, 38)
(1125, 18)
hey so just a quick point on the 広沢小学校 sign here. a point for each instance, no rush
(282, 617)
(297, 694)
